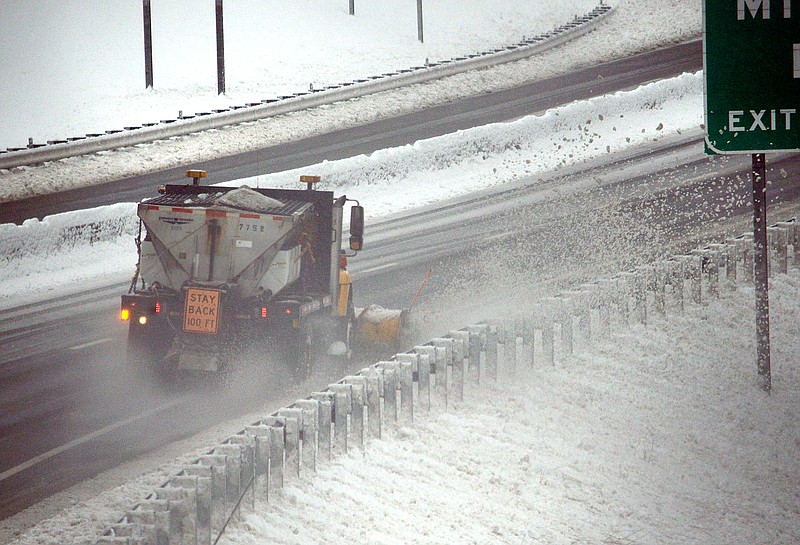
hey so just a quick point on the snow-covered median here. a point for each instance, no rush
(431, 170)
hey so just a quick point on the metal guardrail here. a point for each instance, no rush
(195, 506)
(130, 136)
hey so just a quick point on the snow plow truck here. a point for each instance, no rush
(229, 271)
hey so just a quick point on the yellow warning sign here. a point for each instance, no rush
(202, 311)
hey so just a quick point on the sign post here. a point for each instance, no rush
(751, 60)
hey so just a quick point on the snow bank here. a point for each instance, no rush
(482, 157)
(65, 250)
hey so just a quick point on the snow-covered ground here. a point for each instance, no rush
(271, 49)
(658, 435)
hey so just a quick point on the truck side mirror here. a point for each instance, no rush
(356, 228)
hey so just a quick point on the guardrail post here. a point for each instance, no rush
(591, 302)
(460, 345)
(406, 377)
(744, 244)
(476, 333)
(391, 380)
(675, 276)
(200, 477)
(548, 337)
(247, 446)
(509, 335)
(144, 525)
(528, 333)
(409, 368)
(277, 448)
(639, 292)
(233, 472)
(727, 259)
(444, 364)
(342, 408)
(564, 309)
(181, 526)
(308, 451)
(374, 385)
(491, 352)
(293, 423)
(601, 296)
(659, 288)
(693, 268)
(791, 236)
(324, 446)
(427, 360)
(187, 489)
(261, 454)
(358, 389)
(778, 241)
(219, 495)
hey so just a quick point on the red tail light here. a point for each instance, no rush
(264, 312)
(287, 311)
(158, 307)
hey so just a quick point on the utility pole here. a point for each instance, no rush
(220, 51)
(148, 45)
(419, 21)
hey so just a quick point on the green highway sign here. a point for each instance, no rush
(751, 57)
